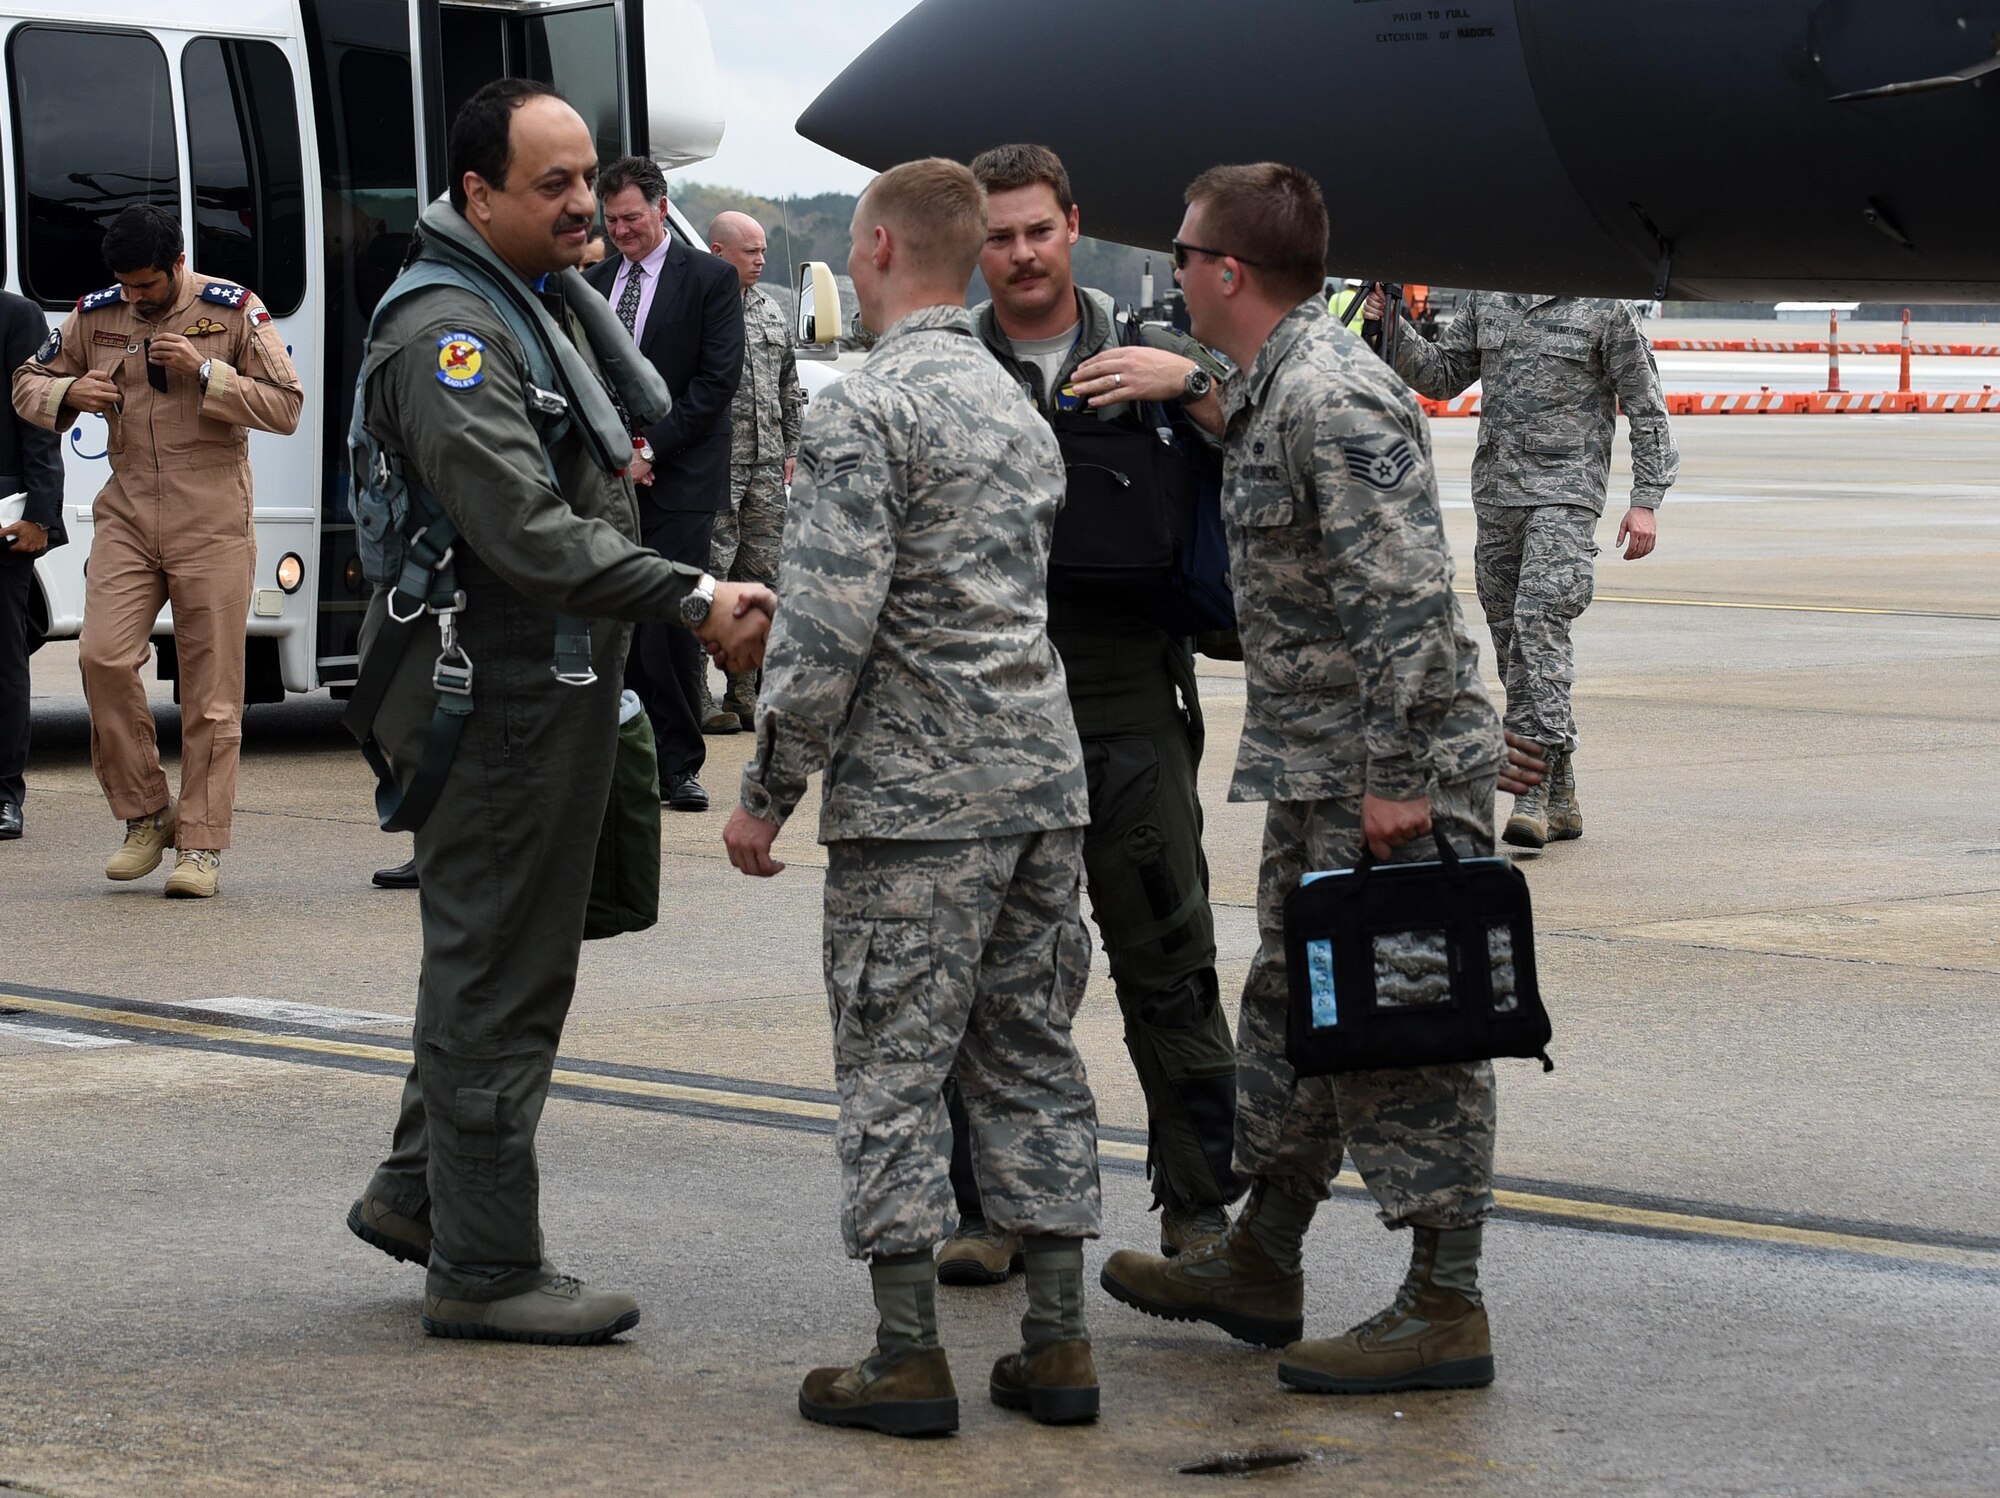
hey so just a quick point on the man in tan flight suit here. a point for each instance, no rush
(173, 523)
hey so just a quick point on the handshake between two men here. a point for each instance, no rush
(738, 623)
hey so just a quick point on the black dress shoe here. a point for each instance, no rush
(402, 876)
(10, 820)
(684, 793)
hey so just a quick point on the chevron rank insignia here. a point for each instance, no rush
(824, 470)
(202, 327)
(98, 299)
(223, 294)
(1384, 470)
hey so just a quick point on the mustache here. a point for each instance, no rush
(570, 223)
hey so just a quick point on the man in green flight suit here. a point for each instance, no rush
(505, 856)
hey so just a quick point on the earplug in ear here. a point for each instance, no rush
(1229, 275)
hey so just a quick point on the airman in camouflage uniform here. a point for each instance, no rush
(764, 426)
(1554, 372)
(911, 661)
(1363, 692)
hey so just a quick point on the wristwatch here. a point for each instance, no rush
(1197, 384)
(202, 374)
(695, 607)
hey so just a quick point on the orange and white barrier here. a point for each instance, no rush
(1832, 401)
(1792, 403)
(1819, 346)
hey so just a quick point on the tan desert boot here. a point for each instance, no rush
(197, 874)
(146, 842)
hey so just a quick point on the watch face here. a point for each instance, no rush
(1199, 381)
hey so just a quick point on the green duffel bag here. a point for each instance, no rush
(625, 886)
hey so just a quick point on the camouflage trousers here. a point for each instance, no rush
(1536, 569)
(750, 537)
(960, 959)
(1422, 1137)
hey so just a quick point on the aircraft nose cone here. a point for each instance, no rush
(934, 84)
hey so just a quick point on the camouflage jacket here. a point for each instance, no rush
(910, 658)
(770, 402)
(1360, 673)
(1553, 373)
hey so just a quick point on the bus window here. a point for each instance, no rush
(576, 52)
(249, 180)
(83, 154)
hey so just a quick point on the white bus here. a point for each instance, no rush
(297, 140)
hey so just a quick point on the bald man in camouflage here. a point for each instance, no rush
(1554, 373)
(763, 449)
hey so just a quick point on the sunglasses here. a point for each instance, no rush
(1182, 250)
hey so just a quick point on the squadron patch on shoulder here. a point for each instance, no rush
(1384, 470)
(98, 299)
(202, 327)
(460, 356)
(52, 347)
(224, 293)
(824, 470)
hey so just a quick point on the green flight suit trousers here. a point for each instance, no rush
(1132, 689)
(504, 866)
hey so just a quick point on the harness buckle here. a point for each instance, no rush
(453, 673)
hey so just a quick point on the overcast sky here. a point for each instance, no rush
(775, 56)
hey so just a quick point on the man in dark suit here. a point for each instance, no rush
(685, 313)
(30, 465)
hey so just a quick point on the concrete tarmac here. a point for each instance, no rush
(1750, 1229)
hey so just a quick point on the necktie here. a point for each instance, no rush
(628, 314)
(628, 300)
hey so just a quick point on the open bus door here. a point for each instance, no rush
(592, 52)
(389, 76)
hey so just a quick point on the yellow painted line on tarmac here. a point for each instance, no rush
(629, 1086)
(1598, 1214)
(1773, 608)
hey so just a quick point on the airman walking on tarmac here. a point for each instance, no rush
(1554, 372)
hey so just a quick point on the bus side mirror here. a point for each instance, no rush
(819, 308)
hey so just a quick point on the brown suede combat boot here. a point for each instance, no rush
(1434, 1335)
(1228, 1282)
(909, 1395)
(1056, 1384)
(978, 1254)
(903, 1387)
